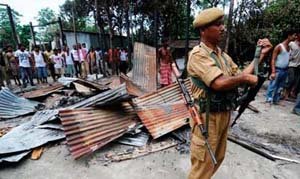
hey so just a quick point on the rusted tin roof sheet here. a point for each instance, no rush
(164, 118)
(168, 94)
(43, 92)
(12, 105)
(164, 110)
(88, 129)
(144, 67)
(114, 81)
(132, 88)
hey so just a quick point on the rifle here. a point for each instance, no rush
(249, 96)
(193, 110)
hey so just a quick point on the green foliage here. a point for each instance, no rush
(5, 27)
(81, 10)
(24, 34)
(47, 32)
(258, 19)
(281, 15)
(209, 3)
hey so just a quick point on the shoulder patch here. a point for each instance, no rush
(196, 49)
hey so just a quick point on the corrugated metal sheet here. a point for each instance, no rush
(90, 84)
(114, 81)
(12, 105)
(164, 110)
(108, 97)
(15, 157)
(15, 144)
(144, 67)
(132, 88)
(164, 118)
(88, 129)
(43, 92)
(139, 140)
(168, 94)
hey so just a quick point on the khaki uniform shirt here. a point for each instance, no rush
(202, 66)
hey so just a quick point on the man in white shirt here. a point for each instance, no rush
(25, 65)
(40, 65)
(123, 61)
(83, 57)
(58, 63)
(293, 82)
(76, 59)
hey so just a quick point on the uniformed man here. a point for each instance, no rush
(214, 76)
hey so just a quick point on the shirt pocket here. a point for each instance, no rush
(198, 147)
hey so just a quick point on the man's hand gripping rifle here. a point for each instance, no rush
(249, 96)
(193, 111)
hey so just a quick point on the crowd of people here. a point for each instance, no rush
(285, 70)
(77, 62)
(284, 76)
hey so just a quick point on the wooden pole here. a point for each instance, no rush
(32, 33)
(229, 25)
(155, 38)
(74, 30)
(187, 36)
(61, 33)
(74, 24)
(13, 27)
(128, 23)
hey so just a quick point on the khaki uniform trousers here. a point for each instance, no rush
(202, 166)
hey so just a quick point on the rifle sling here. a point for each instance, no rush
(200, 84)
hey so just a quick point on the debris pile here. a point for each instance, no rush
(91, 114)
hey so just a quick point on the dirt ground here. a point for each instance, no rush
(169, 164)
(275, 130)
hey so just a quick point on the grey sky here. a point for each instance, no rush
(30, 8)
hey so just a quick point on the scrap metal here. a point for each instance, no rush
(43, 92)
(108, 97)
(164, 110)
(168, 94)
(88, 129)
(132, 88)
(96, 86)
(30, 135)
(12, 105)
(138, 140)
(14, 157)
(164, 118)
(144, 67)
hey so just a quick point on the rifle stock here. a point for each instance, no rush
(193, 111)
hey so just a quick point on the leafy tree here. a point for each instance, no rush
(257, 19)
(208, 3)
(5, 28)
(281, 15)
(46, 32)
(82, 9)
(24, 34)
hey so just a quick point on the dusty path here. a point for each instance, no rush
(56, 163)
(274, 128)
